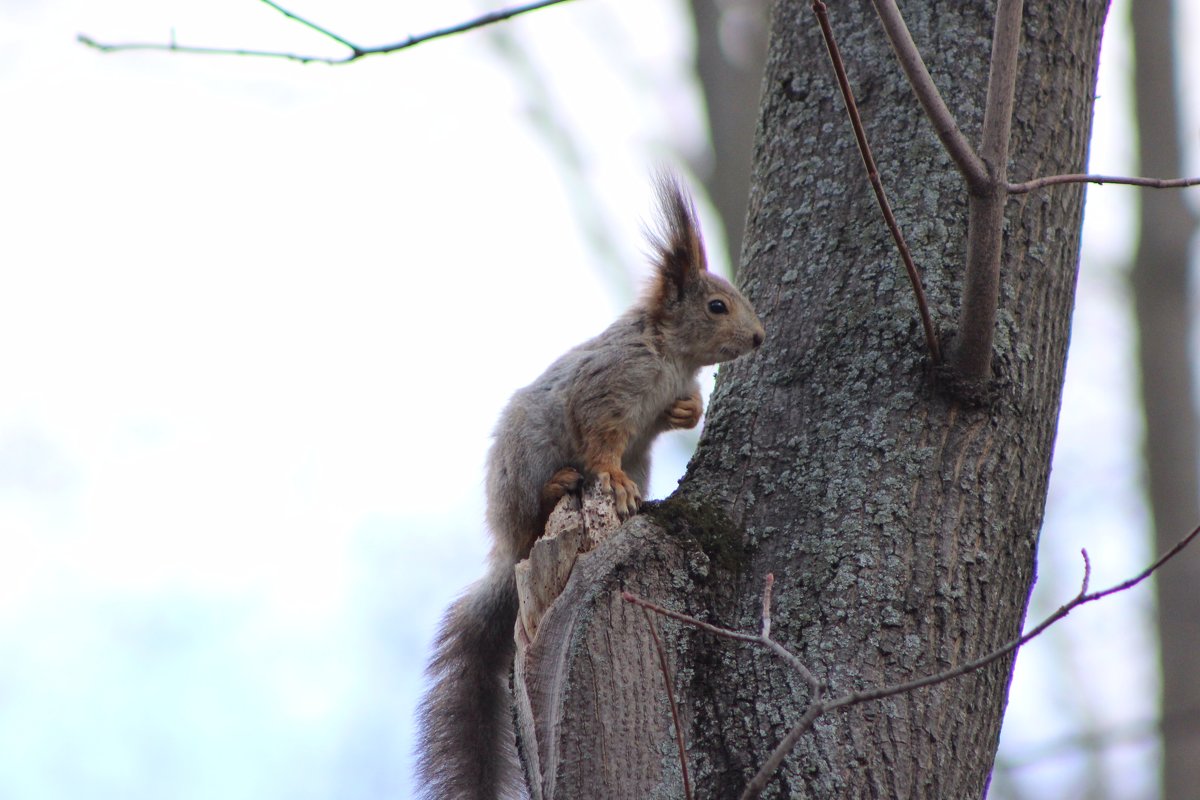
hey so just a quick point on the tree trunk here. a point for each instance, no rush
(900, 523)
(1162, 299)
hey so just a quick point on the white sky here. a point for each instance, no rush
(257, 320)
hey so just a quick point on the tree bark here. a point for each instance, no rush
(901, 524)
(1161, 290)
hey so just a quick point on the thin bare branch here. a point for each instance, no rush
(1080, 599)
(818, 705)
(666, 673)
(759, 782)
(1087, 572)
(204, 51)
(356, 52)
(815, 708)
(1002, 82)
(972, 355)
(314, 26)
(716, 630)
(1054, 180)
(864, 149)
(964, 156)
(1148, 571)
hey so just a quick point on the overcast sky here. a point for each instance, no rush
(256, 321)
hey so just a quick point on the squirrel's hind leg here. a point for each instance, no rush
(561, 484)
(603, 450)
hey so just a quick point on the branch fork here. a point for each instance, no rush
(984, 171)
(356, 51)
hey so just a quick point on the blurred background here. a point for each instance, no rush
(257, 319)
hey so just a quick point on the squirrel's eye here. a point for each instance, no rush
(717, 307)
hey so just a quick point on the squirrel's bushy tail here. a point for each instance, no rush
(467, 747)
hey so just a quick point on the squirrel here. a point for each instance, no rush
(592, 414)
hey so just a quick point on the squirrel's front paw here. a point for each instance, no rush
(625, 492)
(685, 412)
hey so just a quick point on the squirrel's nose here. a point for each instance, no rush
(758, 338)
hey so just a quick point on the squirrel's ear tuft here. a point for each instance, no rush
(678, 250)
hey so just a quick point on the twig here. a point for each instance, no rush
(1001, 93)
(356, 52)
(985, 205)
(964, 156)
(1148, 571)
(818, 706)
(1054, 180)
(864, 149)
(854, 698)
(314, 26)
(716, 630)
(666, 673)
(205, 51)
(759, 782)
(815, 707)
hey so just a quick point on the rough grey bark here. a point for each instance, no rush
(1161, 288)
(900, 523)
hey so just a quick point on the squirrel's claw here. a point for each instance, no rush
(625, 492)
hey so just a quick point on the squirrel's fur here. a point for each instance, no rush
(593, 414)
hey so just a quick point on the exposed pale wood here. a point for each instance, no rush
(541, 577)
(574, 527)
(563, 586)
(599, 723)
(599, 518)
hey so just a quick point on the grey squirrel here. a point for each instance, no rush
(592, 414)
